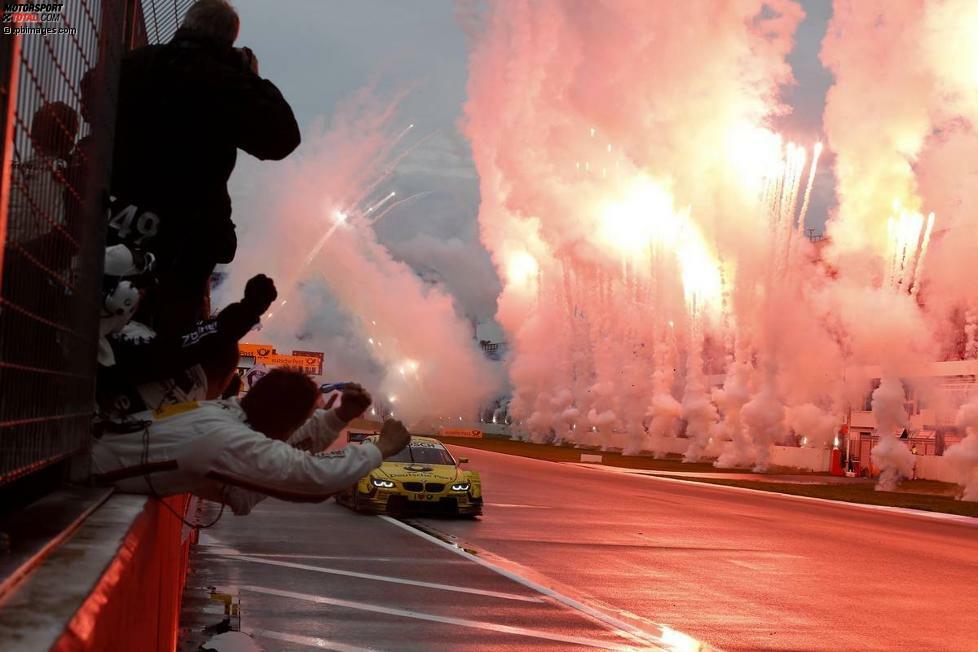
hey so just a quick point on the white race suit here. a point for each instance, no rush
(207, 448)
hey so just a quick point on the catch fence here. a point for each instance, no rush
(58, 94)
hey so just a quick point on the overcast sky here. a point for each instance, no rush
(320, 51)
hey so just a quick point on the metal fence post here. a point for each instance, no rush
(9, 68)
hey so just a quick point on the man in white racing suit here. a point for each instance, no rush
(270, 443)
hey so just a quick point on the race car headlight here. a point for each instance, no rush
(383, 484)
(460, 486)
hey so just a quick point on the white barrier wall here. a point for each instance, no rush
(934, 467)
(674, 445)
(929, 467)
(808, 459)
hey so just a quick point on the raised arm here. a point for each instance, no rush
(259, 116)
(253, 466)
(143, 360)
(320, 431)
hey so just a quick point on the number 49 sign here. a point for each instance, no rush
(134, 225)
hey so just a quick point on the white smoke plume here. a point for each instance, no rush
(664, 410)
(621, 166)
(817, 426)
(764, 414)
(910, 66)
(313, 232)
(891, 456)
(697, 409)
(963, 456)
(738, 451)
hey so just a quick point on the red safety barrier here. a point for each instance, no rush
(835, 467)
(136, 603)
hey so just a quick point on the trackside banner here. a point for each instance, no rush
(460, 432)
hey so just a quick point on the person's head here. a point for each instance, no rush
(54, 129)
(220, 368)
(215, 20)
(280, 402)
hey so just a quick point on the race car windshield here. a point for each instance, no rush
(422, 455)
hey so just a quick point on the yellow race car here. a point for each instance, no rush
(423, 476)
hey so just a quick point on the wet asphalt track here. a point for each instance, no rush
(740, 570)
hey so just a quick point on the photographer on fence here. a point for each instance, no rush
(184, 110)
(270, 443)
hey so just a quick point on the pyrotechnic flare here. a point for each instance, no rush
(610, 194)
(757, 424)
(808, 188)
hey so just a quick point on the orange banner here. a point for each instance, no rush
(307, 364)
(460, 432)
(255, 350)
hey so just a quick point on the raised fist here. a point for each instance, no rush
(259, 293)
(354, 401)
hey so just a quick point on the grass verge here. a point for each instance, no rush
(552, 453)
(925, 495)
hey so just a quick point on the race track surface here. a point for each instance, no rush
(569, 558)
(739, 569)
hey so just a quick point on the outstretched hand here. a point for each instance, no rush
(393, 438)
(354, 401)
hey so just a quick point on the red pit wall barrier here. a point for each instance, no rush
(136, 603)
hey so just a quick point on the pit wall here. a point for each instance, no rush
(135, 604)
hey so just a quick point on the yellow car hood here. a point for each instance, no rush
(414, 471)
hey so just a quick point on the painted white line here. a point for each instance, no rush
(446, 620)
(904, 511)
(308, 641)
(387, 578)
(283, 555)
(620, 627)
(518, 506)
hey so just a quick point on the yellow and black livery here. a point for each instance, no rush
(423, 476)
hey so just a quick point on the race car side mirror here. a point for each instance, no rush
(463, 460)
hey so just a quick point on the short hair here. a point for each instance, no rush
(215, 19)
(280, 402)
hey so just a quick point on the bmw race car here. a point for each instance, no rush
(422, 476)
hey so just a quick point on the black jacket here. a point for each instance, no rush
(151, 358)
(184, 110)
